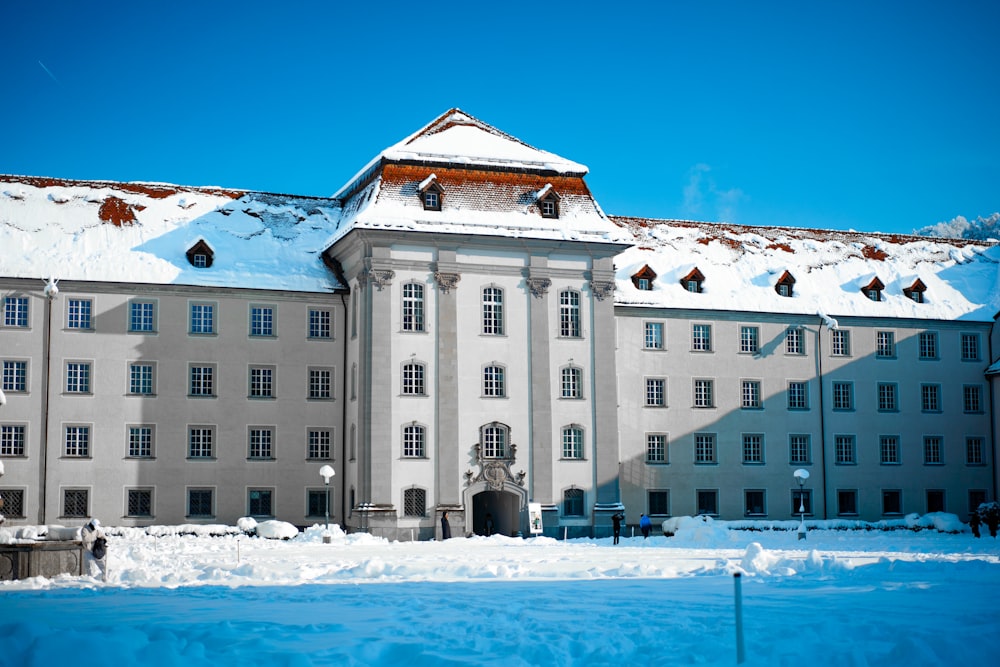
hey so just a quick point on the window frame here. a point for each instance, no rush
(797, 395)
(801, 443)
(751, 395)
(842, 395)
(706, 494)
(202, 318)
(701, 337)
(795, 341)
(749, 339)
(492, 309)
(887, 397)
(413, 441)
(318, 439)
(320, 383)
(413, 378)
(139, 493)
(928, 346)
(971, 349)
(750, 510)
(142, 316)
(655, 395)
(571, 382)
(933, 449)
(885, 344)
(79, 377)
(889, 450)
(205, 380)
(572, 437)
(13, 440)
(752, 448)
(205, 447)
(319, 323)
(494, 381)
(840, 343)
(140, 441)
(657, 449)
(79, 314)
(412, 307)
(570, 314)
(261, 492)
(930, 397)
(16, 312)
(262, 320)
(137, 378)
(77, 441)
(190, 508)
(261, 442)
(845, 449)
(703, 393)
(261, 381)
(654, 337)
(706, 449)
(14, 376)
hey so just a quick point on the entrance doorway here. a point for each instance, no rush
(504, 508)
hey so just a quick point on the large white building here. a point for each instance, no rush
(461, 328)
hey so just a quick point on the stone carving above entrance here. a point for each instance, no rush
(495, 472)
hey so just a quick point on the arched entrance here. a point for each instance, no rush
(506, 506)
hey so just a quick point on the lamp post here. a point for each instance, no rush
(327, 472)
(802, 475)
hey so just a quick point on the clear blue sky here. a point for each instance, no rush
(877, 116)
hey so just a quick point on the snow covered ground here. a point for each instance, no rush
(841, 597)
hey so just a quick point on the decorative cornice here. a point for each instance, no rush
(446, 282)
(539, 286)
(495, 472)
(602, 289)
(377, 277)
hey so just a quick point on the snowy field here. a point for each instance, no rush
(841, 597)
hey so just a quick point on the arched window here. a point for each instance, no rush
(573, 502)
(572, 442)
(494, 440)
(413, 379)
(494, 382)
(569, 314)
(493, 311)
(413, 307)
(414, 437)
(572, 382)
(414, 502)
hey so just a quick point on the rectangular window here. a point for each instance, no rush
(200, 442)
(970, 347)
(572, 383)
(930, 398)
(76, 503)
(320, 384)
(414, 502)
(704, 448)
(656, 448)
(888, 447)
(202, 318)
(572, 443)
(799, 449)
(77, 441)
(887, 397)
(753, 448)
(801, 502)
(413, 380)
(754, 502)
(704, 393)
(847, 502)
(78, 314)
(414, 439)
(493, 311)
(261, 443)
(933, 451)
(262, 321)
(569, 314)
(928, 345)
(798, 397)
(259, 503)
(493, 382)
(15, 311)
(320, 323)
(202, 381)
(751, 395)
(843, 396)
(319, 444)
(794, 343)
(892, 501)
(11, 441)
(15, 376)
(749, 340)
(413, 307)
(140, 379)
(13, 503)
(261, 382)
(840, 341)
(139, 503)
(656, 392)
(316, 502)
(573, 502)
(701, 337)
(974, 452)
(708, 501)
(659, 503)
(200, 503)
(935, 500)
(885, 344)
(654, 336)
(140, 442)
(142, 316)
(844, 450)
(78, 377)
(972, 398)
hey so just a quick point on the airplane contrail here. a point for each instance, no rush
(48, 72)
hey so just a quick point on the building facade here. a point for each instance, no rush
(461, 329)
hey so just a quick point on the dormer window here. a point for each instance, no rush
(643, 280)
(785, 284)
(548, 202)
(431, 193)
(915, 292)
(873, 290)
(200, 255)
(693, 280)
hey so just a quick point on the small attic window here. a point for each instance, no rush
(915, 292)
(643, 279)
(873, 290)
(548, 202)
(785, 284)
(200, 255)
(431, 193)
(692, 281)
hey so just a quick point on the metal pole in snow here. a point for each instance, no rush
(740, 650)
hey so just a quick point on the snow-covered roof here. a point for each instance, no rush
(741, 266)
(140, 232)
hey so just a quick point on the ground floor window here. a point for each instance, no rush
(847, 502)
(573, 502)
(753, 504)
(140, 503)
(12, 503)
(75, 503)
(659, 503)
(802, 501)
(259, 502)
(935, 500)
(200, 503)
(316, 502)
(414, 502)
(892, 501)
(708, 501)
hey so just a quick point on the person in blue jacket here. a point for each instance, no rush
(645, 525)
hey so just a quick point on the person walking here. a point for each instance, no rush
(616, 524)
(95, 549)
(645, 525)
(445, 527)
